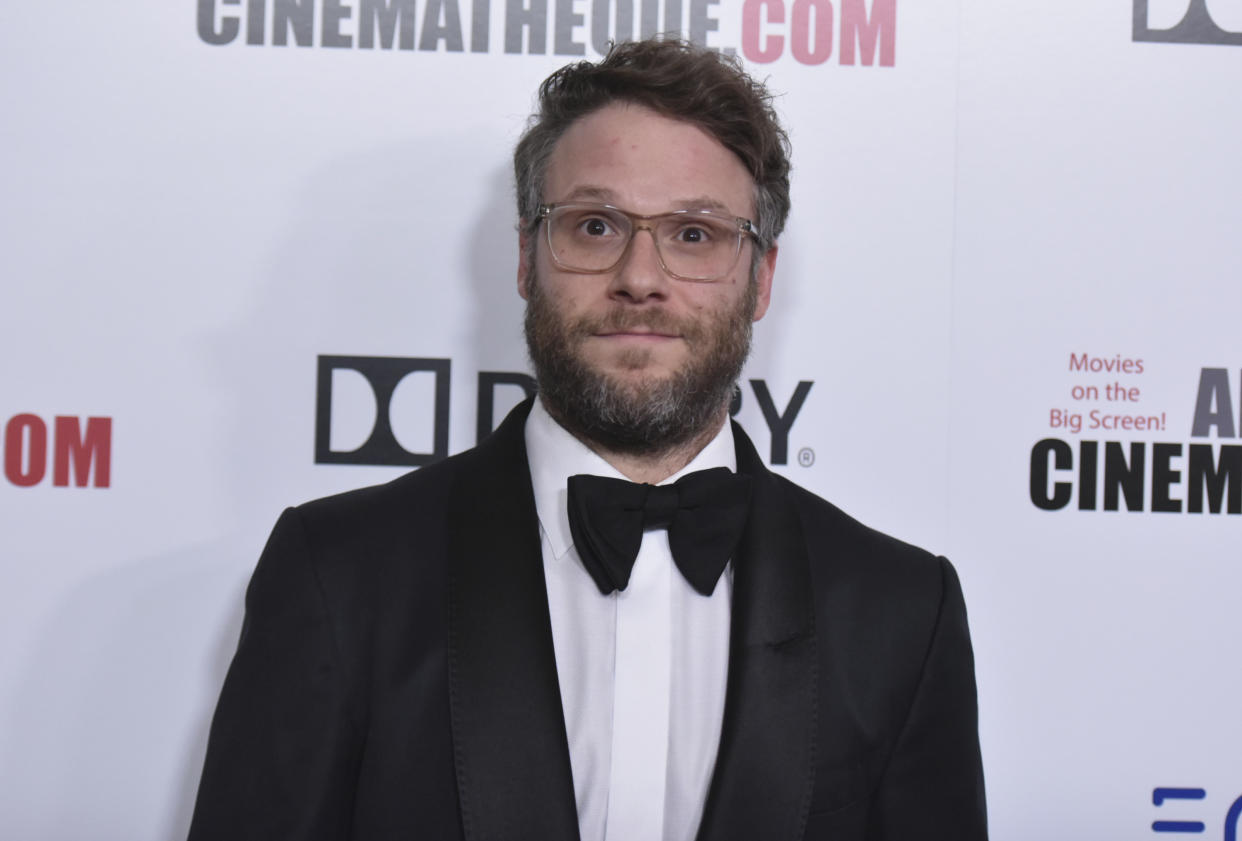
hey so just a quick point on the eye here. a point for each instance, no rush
(595, 227)
(693, 235)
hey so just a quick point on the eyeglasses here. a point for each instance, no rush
(698, 245)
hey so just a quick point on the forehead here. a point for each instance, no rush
(632, 157)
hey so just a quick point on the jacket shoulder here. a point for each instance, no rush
(868, 576)
(377, 531)
(418, 501)
(381, 506)
(830, 530)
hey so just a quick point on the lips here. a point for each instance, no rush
(637, 334)
(648, 326)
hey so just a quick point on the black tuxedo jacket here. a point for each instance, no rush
(395, 677)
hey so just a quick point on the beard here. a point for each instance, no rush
(645, 416)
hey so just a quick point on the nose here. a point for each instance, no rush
(640, 277)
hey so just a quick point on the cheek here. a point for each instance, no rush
(552, 282)
(567, 305)
(573, 295)
(717, 300)
(558, 303)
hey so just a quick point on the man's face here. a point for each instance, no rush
(633, 358)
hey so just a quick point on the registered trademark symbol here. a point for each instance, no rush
(806, 456)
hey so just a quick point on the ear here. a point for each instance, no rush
(523, 268)
(763, 278)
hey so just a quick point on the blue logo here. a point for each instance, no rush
(1167, 795)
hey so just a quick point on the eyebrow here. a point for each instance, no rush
(590, 192)
(703, 203)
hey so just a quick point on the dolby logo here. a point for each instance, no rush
(1188, 21)
(393, 410)
(359, 398)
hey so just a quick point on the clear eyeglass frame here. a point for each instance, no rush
(743, 227)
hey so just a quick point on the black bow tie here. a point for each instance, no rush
(704, 513)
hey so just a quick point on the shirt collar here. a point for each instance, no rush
(555, 455)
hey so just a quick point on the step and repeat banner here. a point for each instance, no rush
(259, 251)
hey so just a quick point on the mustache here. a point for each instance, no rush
(623, 320)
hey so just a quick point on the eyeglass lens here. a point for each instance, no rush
(694, 245)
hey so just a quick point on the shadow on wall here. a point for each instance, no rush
(496, 319)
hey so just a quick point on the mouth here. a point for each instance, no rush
(636, 331)
(637, 337)
(639, 333)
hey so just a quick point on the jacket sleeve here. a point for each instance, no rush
(283, 750)
(932, 788)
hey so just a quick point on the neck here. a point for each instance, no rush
(653, 467)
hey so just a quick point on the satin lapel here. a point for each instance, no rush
(761, 787)
(512, 758)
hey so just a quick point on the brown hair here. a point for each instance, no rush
(678, 80)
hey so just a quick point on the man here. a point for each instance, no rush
(503, 646)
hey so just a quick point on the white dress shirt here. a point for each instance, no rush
(642, 672)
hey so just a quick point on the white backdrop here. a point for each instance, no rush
(997, 206)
